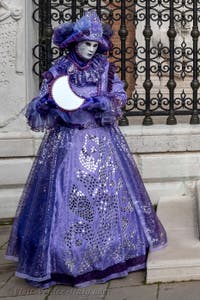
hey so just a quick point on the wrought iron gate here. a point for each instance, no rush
(156, 51)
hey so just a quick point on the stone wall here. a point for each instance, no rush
(12, 62)
(168, 157)
(17, 87)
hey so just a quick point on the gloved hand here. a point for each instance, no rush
(88, 104)
(97, 102)
(45, 103)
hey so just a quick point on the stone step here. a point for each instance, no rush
(9, 199)
(180, 260)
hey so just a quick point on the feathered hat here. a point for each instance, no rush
(88, 28)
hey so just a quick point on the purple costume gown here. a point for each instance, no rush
(84, 216)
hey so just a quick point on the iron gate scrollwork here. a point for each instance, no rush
(156, 50)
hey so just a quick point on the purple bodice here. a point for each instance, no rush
(89, 81)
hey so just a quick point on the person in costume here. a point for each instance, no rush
(84, 216)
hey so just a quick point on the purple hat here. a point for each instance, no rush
(88, 28)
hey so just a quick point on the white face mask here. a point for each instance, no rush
(86, 49)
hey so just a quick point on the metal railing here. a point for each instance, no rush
(156, 50)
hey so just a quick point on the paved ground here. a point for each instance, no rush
(132, 287)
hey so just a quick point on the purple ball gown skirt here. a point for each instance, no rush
(84, 216)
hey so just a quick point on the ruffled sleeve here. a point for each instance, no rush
(41, 112)
(40, 120)
(111, 105)
(118, 97)
(39, 115)
(118, 91)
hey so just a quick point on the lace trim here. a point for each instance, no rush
(82, 76)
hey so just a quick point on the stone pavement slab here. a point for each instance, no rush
(144, 292)
(17, 287)
(179, 291)
(4, 234)
(5, 276)
(94, 292)
(33, 297)
(132, 287)
(4, 246)
(133, 278)
(6, 264)
(4, 261)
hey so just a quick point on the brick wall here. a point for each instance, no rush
(129, 43)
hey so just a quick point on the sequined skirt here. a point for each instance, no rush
(84, 216)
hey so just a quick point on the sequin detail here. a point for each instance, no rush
(89, 157)
(84, 213)
(80, 205)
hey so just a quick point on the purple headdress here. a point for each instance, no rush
(89, 27)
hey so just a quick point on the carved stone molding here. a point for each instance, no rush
(8, 10)
(11, 60)
(10, 16)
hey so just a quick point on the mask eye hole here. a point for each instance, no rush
(89, 44)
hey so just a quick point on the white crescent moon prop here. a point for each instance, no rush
(63, 95)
